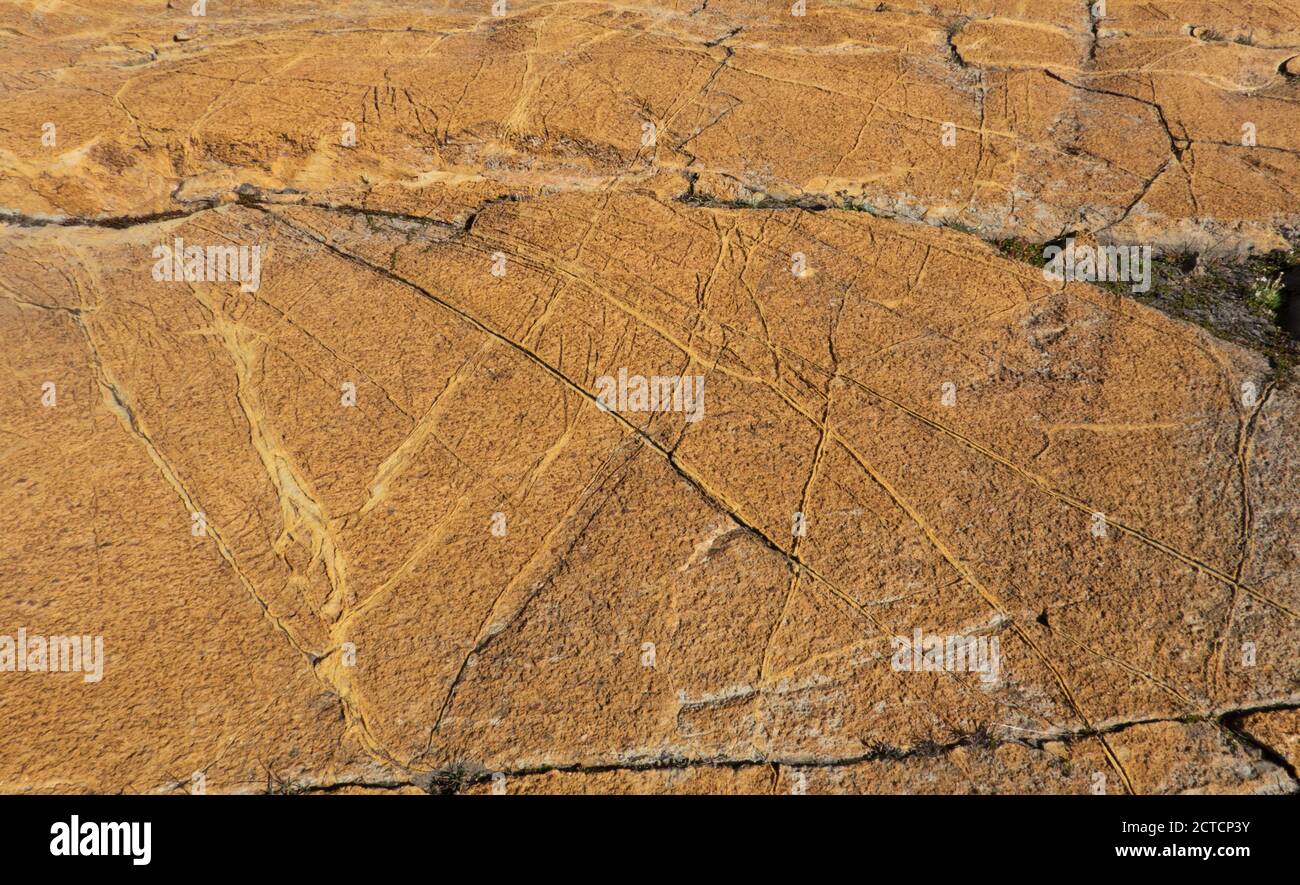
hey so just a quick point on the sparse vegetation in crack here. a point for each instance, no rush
(1252, 301)
(760, 200)
(453, 779)
(1207, 35)
(461, 775)
(278, 784)
(1232, 724)
(114, 222)
(981, 737)
(1096, 12)
(954, 55)
(359, 784)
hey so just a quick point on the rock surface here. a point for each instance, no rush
(1171, 128)
(369, 521)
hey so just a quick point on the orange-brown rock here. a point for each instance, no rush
(363, 497)
(1177, 130)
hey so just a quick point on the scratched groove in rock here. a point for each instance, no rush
(431, 551)
(1132, 124)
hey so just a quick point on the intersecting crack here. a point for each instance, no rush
(473, 225)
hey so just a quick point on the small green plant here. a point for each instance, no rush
(862, 204)
(282, 785)
(1265, 296)
(454, 778)
(1022, 251)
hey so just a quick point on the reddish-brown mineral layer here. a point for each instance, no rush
(426, 399)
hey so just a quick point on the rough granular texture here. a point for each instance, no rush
(569, 400)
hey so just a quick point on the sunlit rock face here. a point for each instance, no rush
(596, 397)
